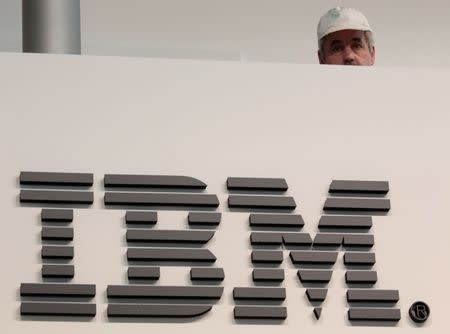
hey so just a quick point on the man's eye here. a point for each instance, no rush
(357, 46)
(336, 48)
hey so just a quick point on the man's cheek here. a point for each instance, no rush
(335, 60)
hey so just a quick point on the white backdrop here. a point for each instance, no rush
(212, 120)
(408, 32)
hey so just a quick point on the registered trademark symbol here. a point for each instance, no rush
(419, 312)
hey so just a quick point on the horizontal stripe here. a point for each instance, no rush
(263, 238)
(141, 217)
(254, 183)
(314, 276)
(267, 256)
(58, 309)
(57, 289)
(57, 179)
(328, 239)
(216, 274)
(261, 202)
(143, 272)
(152, 181)
(359, 258)
(57, 252)
(353, 186)
(354, 222)
(359, 240)
(157, 310)
(316, 294)
(357, 204)
(204, 218)
(361, 276)
(276, 220)
(58, 270)
(297, 239)
(271, 275)
(161, 291)
(170, 254)
(256, 293)
(313, 257)
(375, 314)
(187, 236)
(57, 233)
(57, 215)
(372, 295)
(161, 199)
(56, 197)
(260, 312)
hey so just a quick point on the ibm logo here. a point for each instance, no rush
(274, 227)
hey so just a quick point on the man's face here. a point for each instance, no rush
(346, 47)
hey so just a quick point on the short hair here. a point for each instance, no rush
(367, 34)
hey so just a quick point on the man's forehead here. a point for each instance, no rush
(338, 41)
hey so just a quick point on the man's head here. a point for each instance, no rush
(345, 38)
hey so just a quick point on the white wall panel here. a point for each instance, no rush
(212, 120)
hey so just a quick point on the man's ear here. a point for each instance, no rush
(372, 54)
(320, 56)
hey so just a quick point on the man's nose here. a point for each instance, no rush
(349, 56)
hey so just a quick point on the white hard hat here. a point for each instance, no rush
(340, 18)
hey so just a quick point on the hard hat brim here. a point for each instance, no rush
(349, 26)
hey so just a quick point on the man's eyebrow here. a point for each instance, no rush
(335, 41)
(356, 39)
